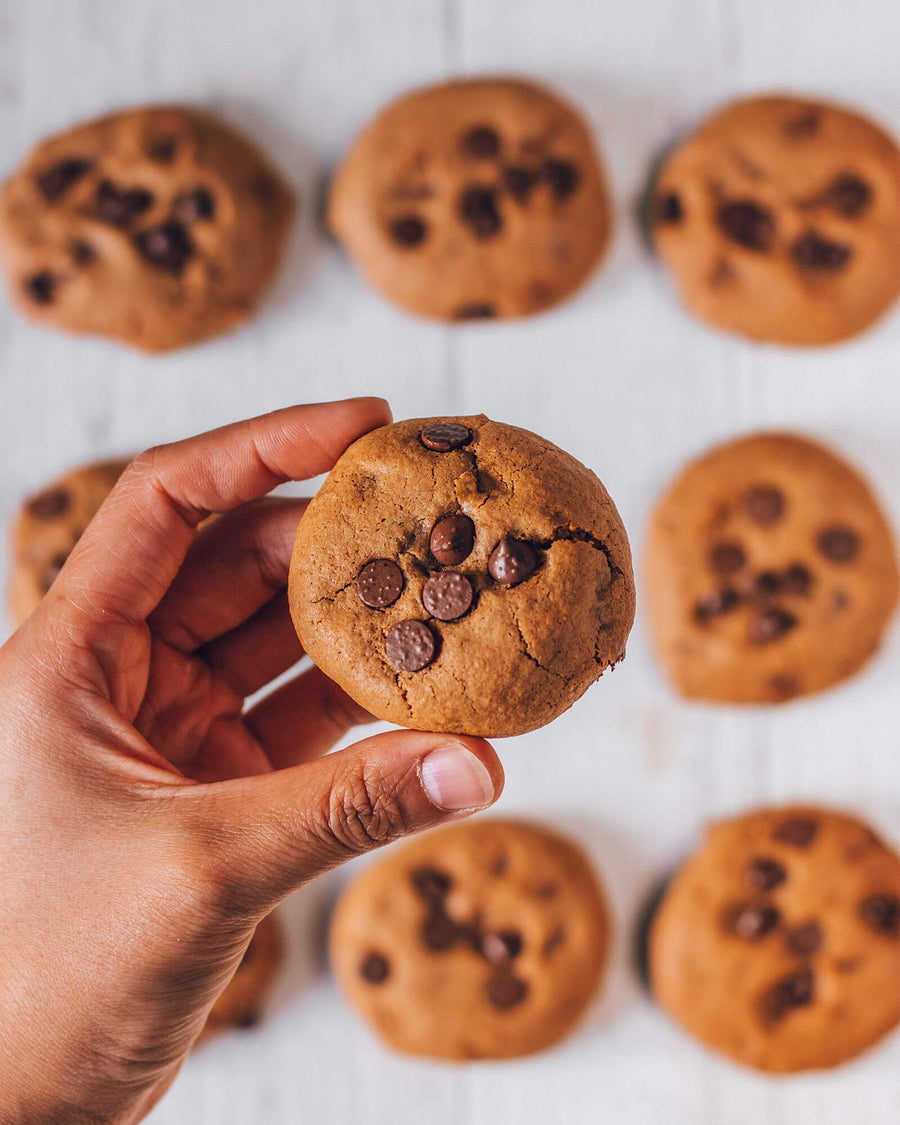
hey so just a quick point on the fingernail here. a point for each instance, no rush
(455, 779)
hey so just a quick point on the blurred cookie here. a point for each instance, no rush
(157, 226)
(472, 199)
(771, 572)
(481, 941)
(438, 604)
(778, 942)
(779, 219)
(240, 1005)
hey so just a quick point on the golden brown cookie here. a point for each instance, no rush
(240, 1005)
(779, 219)
(158, 226)
(778, 942)
(48, 526)
(475, 198)
(481, 941)
(432, 571)
(770, 572)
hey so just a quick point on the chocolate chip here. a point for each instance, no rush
(839, 544)
(49, 505)
(562, 177)
(56, 181)
(506, 991)
(752, 922)
(431, 884)
(249, 1018)
(764, 504)
(794, 991)
(803, 126)
(481, 142)
(553, 942)
(51, 573)
(500, 865)
(766, 584)
(796, 580)
(447, 596)
(167, 247)
(409, 646)
(747, 224)
(849, 195)
(439, 932)
(764, 875)
(882, 913)
(408, 230)
(812, 252)
(512, 561)
(716, 603)
(444, 436)
(375, 968)
(452, 539)
(380, 583)
(119, 206)
(519, 181)
(193, 205)
(667, 208)
(503, 946)
(82, 252)
(476, 312)
(771, 625)
(799, 831)
(546, 890)
(162, 149)
(806, 939)
(41, 288)
(726, 558)
(478, 210)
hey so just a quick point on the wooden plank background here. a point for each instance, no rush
(619, 376)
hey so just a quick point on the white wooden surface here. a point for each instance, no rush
(619, 376)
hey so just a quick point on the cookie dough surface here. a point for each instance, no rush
(473, 199)
(240, 1004)
(529, 539)
(483, 940)
(770, 572)
(778, 942)
(779, 219)
(157, 226)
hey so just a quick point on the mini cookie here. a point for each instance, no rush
(432, 571)
(771, 572)
(240, 1005)
(473, 199)
(157, 226)
(48, 526)
(482, 941)
(780, 220)
(778, 942)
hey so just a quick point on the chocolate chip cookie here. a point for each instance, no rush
(771, 572)
(473, 199)
(780, 220)
(481, 941)
(778, 942)
(432, 571)
(48, 526)
(157, 226)
(240, 1005)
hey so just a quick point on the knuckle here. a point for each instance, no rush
(363, 813)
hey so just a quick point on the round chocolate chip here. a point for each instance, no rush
(799, 832)
(476, 312)
(162, 149)
(439, 932)
(794, 991)
(771, 625)
(431, 884)
(849, 195)
(667, 208)
(796, 580)
(193, 205)
(716, 603)
(506, 991)
(49, 505)
(752, 922)
(764, 504)
(375, 968)
(512, 561)
(562, 177)
(478, 210)
(726, 558)
(812, 252)
(452, 539)
(408, 230)
(747, 224)
(167, 247)
(838, 544)
(447, 596)
(882, 913)
(380, 583)
(766, 584)
(410, 646)
(503, 946)
(519, 181)
(806, 939)
(41, 288)
(119, 206)
(444, 436)
(481, 142)
(82, 252)
(56, 181)
(764, 875)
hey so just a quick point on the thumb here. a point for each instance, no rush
(276, 831)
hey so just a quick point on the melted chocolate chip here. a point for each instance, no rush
(506, 991)
(849, 195)
(512, 561)
(410, 646)
(804, 126)
(82, 252)
(794, 991)
(119, 206)
(478, 210)
(452, 539)
(839, 544)
(408, 230)
(56, 181)
(375, 969)
(806, 939)
(667, 208)
(503, 946)
(49, 505)
(162, 149)
(766, 584)
(747, 224)
(799, 831)
(167, 247)
(431, 884)
(444, 436)
(193, 205)
(41, 288)
(812, 252)
(439, 932)
(752, 922)
(764, 504)
(771, 625)
(764, 875)
(882, 913)
(726, 558)
(519, 181)
(716, 603)
(447, 596)
(562, 177)
(481, 142)
(380, 583)
(796, 580)
(476, 312)
(553, 942)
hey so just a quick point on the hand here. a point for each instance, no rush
(148, 821)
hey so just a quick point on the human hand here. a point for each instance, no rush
(147, 821)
